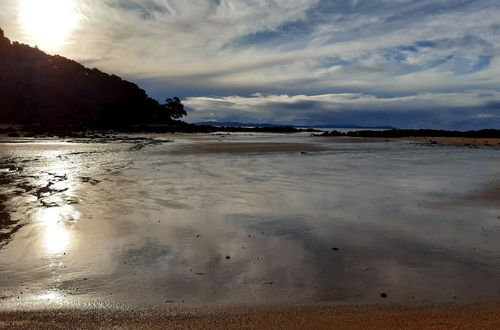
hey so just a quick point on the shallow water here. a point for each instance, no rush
(170, 223)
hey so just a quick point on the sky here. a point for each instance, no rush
(405, 63)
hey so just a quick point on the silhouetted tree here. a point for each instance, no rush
(174, 108)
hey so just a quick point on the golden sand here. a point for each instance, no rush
(312, 317)
(457, 141)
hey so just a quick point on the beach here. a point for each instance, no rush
(309, 317)
(249, 230)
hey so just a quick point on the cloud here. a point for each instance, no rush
(433, 110)
(382, 48)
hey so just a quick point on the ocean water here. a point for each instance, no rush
(216, 220)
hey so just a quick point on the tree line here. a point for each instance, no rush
(52, 90)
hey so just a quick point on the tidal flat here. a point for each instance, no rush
(213, 221)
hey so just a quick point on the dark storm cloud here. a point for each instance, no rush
(451, 110)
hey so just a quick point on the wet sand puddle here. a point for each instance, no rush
(144, 224)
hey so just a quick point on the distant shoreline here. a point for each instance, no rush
(106, 136)
(182, 127)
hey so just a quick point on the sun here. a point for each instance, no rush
(48, 23)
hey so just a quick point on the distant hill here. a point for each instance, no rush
(347, 126)
(54, 91)
(238, 124)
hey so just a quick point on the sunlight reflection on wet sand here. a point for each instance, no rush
(56, 237)
(339, 223)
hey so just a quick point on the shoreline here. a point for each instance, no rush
(456, 141)
(320, 316)
(131, 136)
(450, 141)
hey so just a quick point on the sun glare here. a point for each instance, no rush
(57, 236)
(48, 23)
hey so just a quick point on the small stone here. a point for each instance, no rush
(383, 295)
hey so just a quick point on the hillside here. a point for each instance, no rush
(54, 91)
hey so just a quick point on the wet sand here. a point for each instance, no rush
(305, 317)
(452, 141)
(244, 148)
(260, 221)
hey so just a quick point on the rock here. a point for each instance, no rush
(383, 295)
